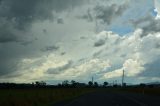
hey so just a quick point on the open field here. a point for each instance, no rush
(49, 96)
(39, 96)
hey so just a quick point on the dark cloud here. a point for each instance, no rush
(88, 16)
(148, 23)
(108, 13)
(26, 11)
(63, 53)
(7, 67)
(44, 31)
(60, 69)
(157, 45)
(16, 19)
(25, 43)
(60, 21)
(100, 42)
(151, 69)
(21, 14)
(83, 37)
(7, 37)
(96, 54)
(51, 48)
(7, 32)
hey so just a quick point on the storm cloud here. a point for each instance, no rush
(75, 39)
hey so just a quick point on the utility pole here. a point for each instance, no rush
(123, 78)
(92, 79)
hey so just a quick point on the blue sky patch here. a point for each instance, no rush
(122, 30)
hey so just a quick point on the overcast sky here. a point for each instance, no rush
(56, 40)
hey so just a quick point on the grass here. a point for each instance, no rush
(39, 97)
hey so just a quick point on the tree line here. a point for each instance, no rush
(70, 84)
(43, 84)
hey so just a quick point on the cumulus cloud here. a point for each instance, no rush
(85, 69)
(103, 37)
(138, 58)
(137, 54)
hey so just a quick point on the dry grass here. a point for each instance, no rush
(38, 97)
(46, 96)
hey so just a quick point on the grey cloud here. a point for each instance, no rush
(7, 33)
(148, 24)
(83, 37)
(50, 48)
(20, 14)
(157, 45)
(7, 37)
(44, 31)
(26, 11)
(7, 67)
(60, 21)
(96, 54)
(16, 19)
(25, 43)
(108, 13)
(100, 42)
(63, 53)
(60, 69)
(151, 69)
(88, 16)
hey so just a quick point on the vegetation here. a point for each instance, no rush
(38, 96)
(41, 94)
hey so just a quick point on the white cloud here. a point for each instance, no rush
(86, 69)
(157, 8)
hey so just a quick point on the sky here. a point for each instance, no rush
(56, 40)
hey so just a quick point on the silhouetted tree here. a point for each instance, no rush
(142, 85)
(40, 83)
(95, 84)
(73, 83)
(90, 83)
(59, 85)
(65, 83)
(105, 84)
(37, 83)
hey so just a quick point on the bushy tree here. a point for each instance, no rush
(105, 84)
(90, 83)
(65, 83)
(95, 84)
(73, 83)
